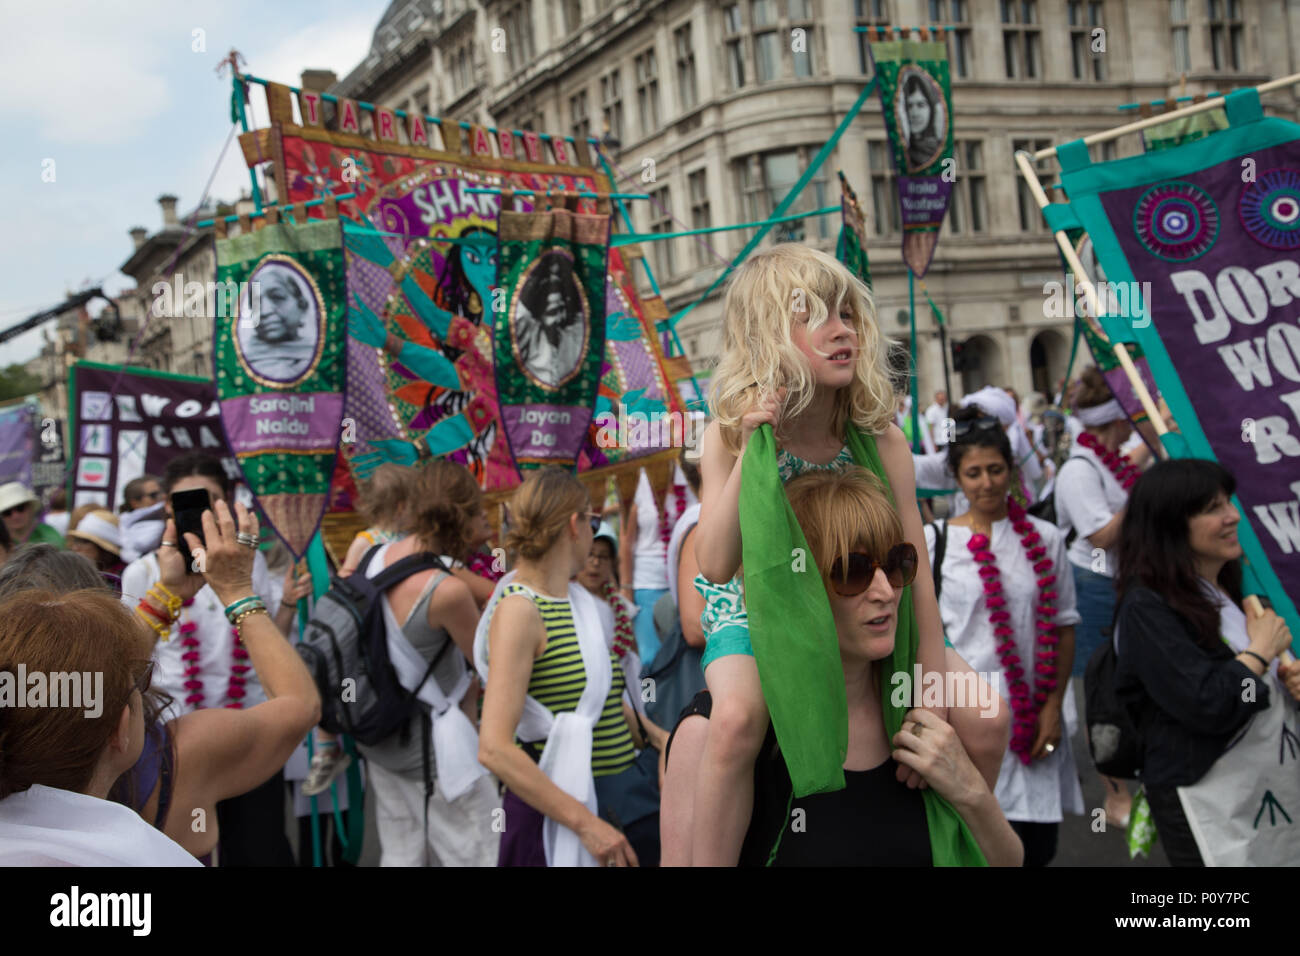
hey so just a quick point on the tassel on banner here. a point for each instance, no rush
(347, 116)
(450, 135)
(582, 151)
(625, 483)
(245, 224)
(480, 144)
(271, 215)
(660, 473)
(384, 125)
(219, 227)
(560, 151)
(279, 103)
(330, 207)
(416, 130)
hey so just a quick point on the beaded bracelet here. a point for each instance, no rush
(164, 596)
(155, 625)
(238, 622)
(154, 612)
(232, 611)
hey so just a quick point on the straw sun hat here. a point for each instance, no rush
(15, 494)
(100, 527)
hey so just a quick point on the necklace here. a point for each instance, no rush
(624, 635)
(1025, 705)
(1125, 472)
(666, 524)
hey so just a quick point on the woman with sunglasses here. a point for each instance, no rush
(20, 510)
(553, 719)
(854, 533)
(210, 755)
(1006, 598)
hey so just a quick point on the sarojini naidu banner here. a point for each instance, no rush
(916, 98)
(280, 367)
(1208, 235)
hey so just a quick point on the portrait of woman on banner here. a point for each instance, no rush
(922, 118)
(550, 329)
(277, 333)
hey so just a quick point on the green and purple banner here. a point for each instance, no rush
(280, 367)
(1207, 237)
(916, 97)
(550, 343)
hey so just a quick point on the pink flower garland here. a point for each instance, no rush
(624, 635)
(235, 688)
(1125, 472)
(667, 524)
(1025, 706)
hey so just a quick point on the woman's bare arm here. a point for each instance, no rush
(717, 546)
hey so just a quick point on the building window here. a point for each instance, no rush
(735, 30)
(968, 213)
(956, 14)
(1084, 18)
(767, 56)
(701, 216)
(1178, 30)
(884, 196)
(801, 19)
(647, 92)
(686, 91)
(1226, 35)
(661, 212)
(1021, 46)
(572, 14)
(580, 122)
(764, 13)
(517, 20)
(765, 180)
(611, 101)
(869, 13)
(1031, 219)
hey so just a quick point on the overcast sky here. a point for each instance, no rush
(117, 96)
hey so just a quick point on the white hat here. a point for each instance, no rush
(100, 527)
(14, 494)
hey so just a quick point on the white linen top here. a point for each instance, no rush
(650, 570)
(1045, 789)
(689, 519)
(1087, 497)
(215, 640)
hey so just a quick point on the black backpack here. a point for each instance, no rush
(347, 640)
(1113, 740)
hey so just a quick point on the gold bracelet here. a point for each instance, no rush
(239, 619)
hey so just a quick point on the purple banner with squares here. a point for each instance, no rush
(16, 444)
(131, 422)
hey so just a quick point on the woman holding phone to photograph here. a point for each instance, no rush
(201, 664)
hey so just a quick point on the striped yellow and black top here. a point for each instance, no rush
(559, 679)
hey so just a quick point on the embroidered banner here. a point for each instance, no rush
(1187, 129)
(16, 444)
(1210, 233)
(280, 368)
(421, 375)
(130, 422)
(549, 342)
(852, 246)
(916, 96)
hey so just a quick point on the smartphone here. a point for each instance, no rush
(188, 508)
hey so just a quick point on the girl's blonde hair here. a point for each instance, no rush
(540, 511)
(844, 511)
(758, 348)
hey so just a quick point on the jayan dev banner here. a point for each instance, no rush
(1214, 227)
(281, 369)
(916, 96)
(550, 341)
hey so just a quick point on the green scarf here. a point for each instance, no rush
(798, 666)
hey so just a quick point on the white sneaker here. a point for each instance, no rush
(327, 764)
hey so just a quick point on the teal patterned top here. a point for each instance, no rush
(725, 603)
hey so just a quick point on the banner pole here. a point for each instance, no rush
(1081, 281)
(911, 308)
(1158, 118)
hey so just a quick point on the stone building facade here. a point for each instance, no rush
(714, 110)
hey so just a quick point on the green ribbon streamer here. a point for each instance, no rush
(792, 631)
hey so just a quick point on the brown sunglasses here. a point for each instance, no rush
(854, 575)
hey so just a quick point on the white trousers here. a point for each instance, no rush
(465, 832)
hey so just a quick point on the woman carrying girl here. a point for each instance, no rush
(803, 355)
(1007, 602)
